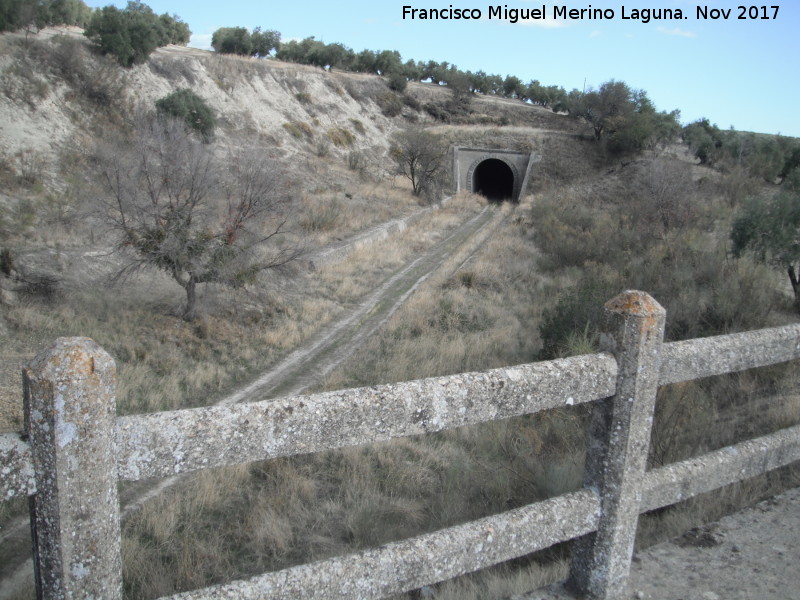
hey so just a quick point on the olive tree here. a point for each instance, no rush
(768, 226)
(133, 33)
(176, 209)
(232, 40)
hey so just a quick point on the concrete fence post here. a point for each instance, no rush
(70, 412)
(619, 439)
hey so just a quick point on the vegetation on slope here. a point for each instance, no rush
(591, 226)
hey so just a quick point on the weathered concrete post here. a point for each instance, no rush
(619, 439)
(70, 412)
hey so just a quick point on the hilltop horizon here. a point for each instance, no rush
(728, 70)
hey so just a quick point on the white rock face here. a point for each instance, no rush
(39, 111)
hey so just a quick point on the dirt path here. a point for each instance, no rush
(297, 372)
(310, 364)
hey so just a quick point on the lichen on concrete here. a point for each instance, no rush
(16, 467)
(167, 443)
(410, 564)
(71, 423)
(704, 357)
(70, 411)
(619, 438)
(679, 481)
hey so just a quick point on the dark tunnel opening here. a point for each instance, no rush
(494, 179)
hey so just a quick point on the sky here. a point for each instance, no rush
(741, 73)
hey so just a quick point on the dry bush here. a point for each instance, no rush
(23, 79)
(299, 130)
(666, 198)
(175, 70)
(341, 137)
(229, 70)
(645, 228)
(390, 103)
(365, 88)
(736, 185)
(320, 214)
(358, 125)
(97, 80)
(356, 161)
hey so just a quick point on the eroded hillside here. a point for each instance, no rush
(62, 106)
(54, 88)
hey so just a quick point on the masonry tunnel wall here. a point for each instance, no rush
(497, 174)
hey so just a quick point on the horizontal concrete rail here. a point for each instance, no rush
(410, 564)
(683, 480)
(72, 430)
(704, 357)
(147, 450)
(167, 443)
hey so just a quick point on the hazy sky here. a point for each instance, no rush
(739, 72)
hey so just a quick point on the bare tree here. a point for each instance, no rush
(177, 210)
(420, 157)
(664, 198)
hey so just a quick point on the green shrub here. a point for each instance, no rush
(186, 105)
(576, 317)
(397, 82)
(238, 40)
(16, 14)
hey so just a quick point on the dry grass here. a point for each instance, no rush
(231, 523)
(482, 310)
(478, 312)
(347, 281)
(166, 363)
(290, 511)
(326, 214)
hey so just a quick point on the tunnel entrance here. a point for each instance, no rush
(493, 172)
(493, 179)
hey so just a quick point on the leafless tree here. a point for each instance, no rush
(664, 198)
(420, 157)
(177, 209)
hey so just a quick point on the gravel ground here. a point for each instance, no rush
(750, 555)
(753, 554)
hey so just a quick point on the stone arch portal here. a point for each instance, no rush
(494, 179)
(497, 174)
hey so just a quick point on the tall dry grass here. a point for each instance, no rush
(475, 313)
(483, 309)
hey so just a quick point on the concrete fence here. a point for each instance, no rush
(75, 450)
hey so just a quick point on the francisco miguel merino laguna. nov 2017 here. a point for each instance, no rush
(563, 12)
